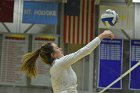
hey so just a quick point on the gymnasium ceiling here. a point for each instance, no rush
(99, 2)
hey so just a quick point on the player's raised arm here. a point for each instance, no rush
(68, 60)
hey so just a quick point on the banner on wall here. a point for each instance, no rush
(134, 77)
(13, 47)
(40, 12)
(6, 10)
(43, 78)
(110, 65)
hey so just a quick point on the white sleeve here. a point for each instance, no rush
(68, 60)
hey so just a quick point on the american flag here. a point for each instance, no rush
(78, 21)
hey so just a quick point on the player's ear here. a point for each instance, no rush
(53, 55)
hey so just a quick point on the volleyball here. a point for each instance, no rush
(109, 18)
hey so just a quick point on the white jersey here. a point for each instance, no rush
(63, 78)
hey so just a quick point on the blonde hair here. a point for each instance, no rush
(29, 59)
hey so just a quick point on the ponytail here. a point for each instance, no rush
(29, 60)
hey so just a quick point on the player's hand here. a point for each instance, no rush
(106, 34)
